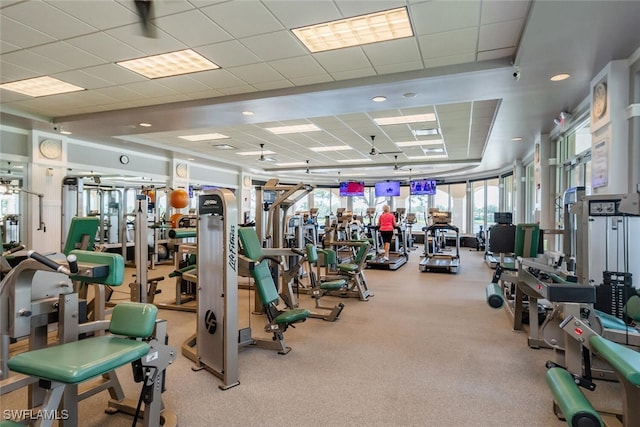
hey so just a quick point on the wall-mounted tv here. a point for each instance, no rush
(352, 188)
(387, 188)
(420, 187)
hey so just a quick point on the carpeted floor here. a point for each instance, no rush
(426, 350)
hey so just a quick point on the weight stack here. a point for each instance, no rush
(614, 292)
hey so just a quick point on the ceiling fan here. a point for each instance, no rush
(373, 150)
(264, 158)
(145, 11)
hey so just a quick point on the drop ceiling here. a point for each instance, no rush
(457, 66)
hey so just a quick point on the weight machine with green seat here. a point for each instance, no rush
(319, 288)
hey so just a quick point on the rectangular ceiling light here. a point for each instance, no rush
(204, 137)
(169, 64)
(368, 159)
(256, 153)
(291, 164)
(415, 143)
(41, 86)
(398, 120)
(432, 156)
(279, 130)
(355, 31)
(331, 148)
(426, 132)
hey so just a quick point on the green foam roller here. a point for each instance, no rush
(182, 233)
(495, 299)
(632, 308)
(176, 273)
(576, 409)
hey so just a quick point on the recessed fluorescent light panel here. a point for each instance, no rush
(398, 120)
(256, 153)
(41, 86)
(279, 130)
(204, 137)
(169, 64)
(431, 156)
(425, 132)
(331, 148)
(356, 31)
(416, 143)
(224, 147)
(291, 164)
(353, 160)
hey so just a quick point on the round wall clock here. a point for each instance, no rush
(599, 99)
(181, 170)
(50, 148)
(124, 159)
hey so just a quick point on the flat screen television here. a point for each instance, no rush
(420, 187)
(352, 188)
(387, 188)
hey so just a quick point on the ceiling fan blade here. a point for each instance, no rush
(390, 152)
(145, 11)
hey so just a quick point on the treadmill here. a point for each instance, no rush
(438, 257)
(501, 241)
(398, 257)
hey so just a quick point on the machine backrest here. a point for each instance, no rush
(250, 243)
(264, 283)
(312, 253)
(527, 240)
(82, 234)
(361, 255)
(113, 262)
(133, 319)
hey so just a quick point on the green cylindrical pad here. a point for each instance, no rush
(182, 233)
(495, 299)
(575, 408)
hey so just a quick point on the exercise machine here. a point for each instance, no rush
(437, 256)
(501, 241)
(399, 253)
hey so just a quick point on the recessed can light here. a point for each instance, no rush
(517, 138)
(379, 98)
(145, 125)
(560, 77)
(247, 113)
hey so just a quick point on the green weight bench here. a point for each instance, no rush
(353, 272)
(63, 367)
(570, 401)
(320, 288)
(279, 320)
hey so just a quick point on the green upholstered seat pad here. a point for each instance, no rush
(330, 256)
(79, 360)
(348, 267)
(294, 315)
(250, 243)
(572, 402)
(624, 360)
(179, 272)
(264, 283)
(612, 322)
(133, 319)
(312, 253)
(9, 423)
(333, 284)
(114, 262)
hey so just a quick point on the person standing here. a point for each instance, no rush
(387, 224)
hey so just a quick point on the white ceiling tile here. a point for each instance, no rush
(161, 8)
(310, 80)
(237, 90)
(152, 89)
(98, 14)
(504, 10)
(20, 34)
(47, 19)
(392, 51)
(68, 55)
(218, 79)
(399, 67)
(444, 15)
(115, 74)
(83, 79)
(243, 18)
(131, 35)
(351, 58)
(449, 60)
(184, 84)
(256, 73)
(355, 8)
(276, 45)
(43, 65)
(496, 54)
(500, 35)
(106, 47)
(228, 54)
(11, 72)
(193, 28)
(354, 74)
(294, 14)
(300, 66)
(448, 44)
(6, 47)
(119, 93)
(204, 94)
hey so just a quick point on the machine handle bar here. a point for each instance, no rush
(73, 265)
